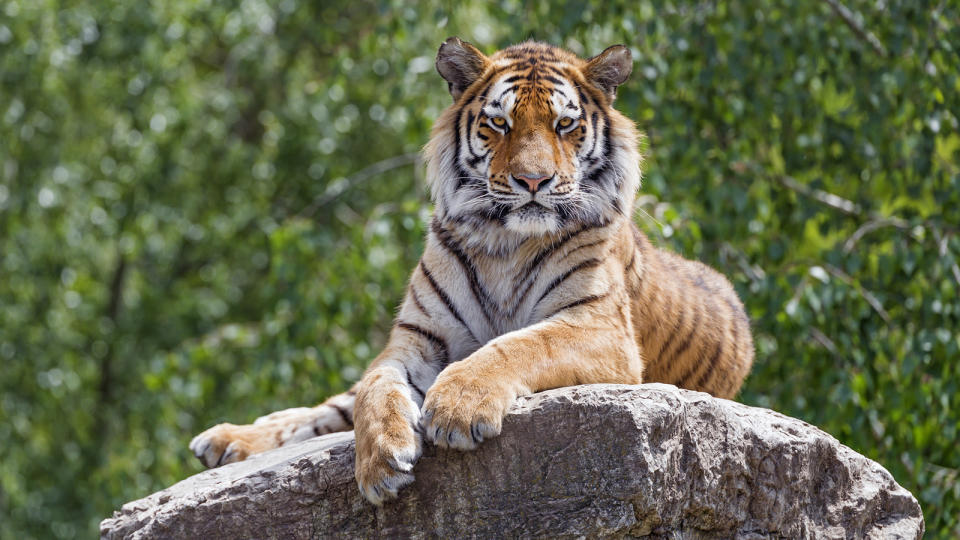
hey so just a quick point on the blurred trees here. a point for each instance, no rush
(209, 212)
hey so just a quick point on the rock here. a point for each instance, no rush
(587, 461)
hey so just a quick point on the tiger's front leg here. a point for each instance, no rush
(228, 443)
(586, 344)
(387, 420)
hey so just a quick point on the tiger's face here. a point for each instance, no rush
(532, 144)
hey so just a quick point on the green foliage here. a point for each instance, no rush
(209, 212)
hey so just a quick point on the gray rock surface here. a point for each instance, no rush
(589, 461)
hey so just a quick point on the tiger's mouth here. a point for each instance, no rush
(532, 209)
(533, 218)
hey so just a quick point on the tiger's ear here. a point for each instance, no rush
(609, 69)
(460, 63)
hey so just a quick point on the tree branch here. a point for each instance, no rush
(824, 341)
(867, 295)
(850, 19)
(112, 312)
(755, 273)
(943, 246)
(833, 201)
(338, 187)
(871, 226)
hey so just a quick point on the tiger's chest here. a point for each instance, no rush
(489, 294)
(504, 297)
(512, 293)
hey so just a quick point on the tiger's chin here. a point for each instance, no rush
(533, 219)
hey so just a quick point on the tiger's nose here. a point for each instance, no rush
(533, 182)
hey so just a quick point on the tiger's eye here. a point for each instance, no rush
(498, 121)
(564, 123)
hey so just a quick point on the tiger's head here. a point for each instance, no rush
(532, 144)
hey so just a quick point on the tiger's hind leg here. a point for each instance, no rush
(228, 443)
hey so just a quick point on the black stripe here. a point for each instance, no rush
(462, 177)
(701, 283)
(598, 97)
(580, 302)
(711, 365)
(527, 277)
(475, 160)
(487, 86)
(676, 329)
(553, 79)
(496, 212)
(737, 309)
(583, 97)
(414, 386)
(607, 149)
(480, 89)
(456, 132)
(343, 414)
(582, 246)
(434, 339)
(596, 135)
(417, 302)
(615, 199)
(735, 329)
(442, 294)
(736, 339)
(596, 175)
(685, 344)
(632, 279)
(479, 293)
(552, 248)
(701, 368)
(555, 71)
(653, 300)
(589, 263)
(474, 156)
(525, 53)
(505, 92)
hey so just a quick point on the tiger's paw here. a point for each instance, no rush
(388, 446)
(225, 443)
(462, 408)
(229, 443)
(386, 468)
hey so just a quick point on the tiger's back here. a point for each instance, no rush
(689, 322)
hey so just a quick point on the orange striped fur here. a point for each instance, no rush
(533, 276)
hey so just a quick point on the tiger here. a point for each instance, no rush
(534, 275)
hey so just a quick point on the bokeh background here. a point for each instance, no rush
(209, 210)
